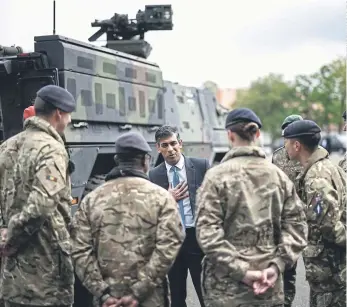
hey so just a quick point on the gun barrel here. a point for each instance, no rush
(9, 51)
(96, 35)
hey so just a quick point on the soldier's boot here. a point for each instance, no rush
(289, 278)
(328, 299)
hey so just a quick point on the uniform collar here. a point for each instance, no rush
(36, 122)
(244, 151)
(319, 154)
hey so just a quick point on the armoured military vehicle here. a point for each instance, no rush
(117, 90)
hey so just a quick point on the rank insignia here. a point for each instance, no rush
(51, 178)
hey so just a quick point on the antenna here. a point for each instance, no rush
(53, 17)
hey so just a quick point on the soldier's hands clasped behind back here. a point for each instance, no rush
(125, 301)
(268, 279)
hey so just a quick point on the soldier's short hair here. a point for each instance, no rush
(306, 132)
(43, 108)
(311, 142)
(130, 160)
(245, 130)
(166, 131)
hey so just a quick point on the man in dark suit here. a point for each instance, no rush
(182, 176)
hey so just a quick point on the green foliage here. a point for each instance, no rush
(320, 96)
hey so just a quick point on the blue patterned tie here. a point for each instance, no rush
(175, 182)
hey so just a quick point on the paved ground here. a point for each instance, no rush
(302, 289)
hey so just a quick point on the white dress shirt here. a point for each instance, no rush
(188, 214)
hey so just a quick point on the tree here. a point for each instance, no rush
(323, 94)
(272, 99)
(320, 96)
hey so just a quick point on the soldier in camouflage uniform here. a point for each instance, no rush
(37, 266)
(250, 222)
(322, 187)
(8, 157)
(343, 162)
(292, 169)
(127, 232)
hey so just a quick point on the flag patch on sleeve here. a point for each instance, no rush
(52, 178)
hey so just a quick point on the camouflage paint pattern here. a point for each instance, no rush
(322, 187)
(110, 87)
(292, 169)
(40, 272)
(343, 163)
(126, 235)
(248, 216)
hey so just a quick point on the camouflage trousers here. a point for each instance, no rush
(289, 278)
(328, 299)
(9, 304)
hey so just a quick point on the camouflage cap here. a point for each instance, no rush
(301, 128)
(290, 119)
(130, 142)
(242, 115)
(58, 97)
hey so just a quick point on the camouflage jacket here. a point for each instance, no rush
(290, 167)
(248, 216)
(8, 157)
(343, 163)
(126, 235)
(40, 272)
(322, 187)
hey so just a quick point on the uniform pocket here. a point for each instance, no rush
(316, 264)
(66, 270)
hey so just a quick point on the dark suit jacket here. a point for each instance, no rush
(195, 169)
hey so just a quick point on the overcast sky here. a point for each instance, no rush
(227, 41)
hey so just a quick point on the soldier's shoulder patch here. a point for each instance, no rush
(317, 203)
(52, 178)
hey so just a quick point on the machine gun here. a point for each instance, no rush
(121, 31)
(10, 51)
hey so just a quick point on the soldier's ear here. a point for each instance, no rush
(231, 135)
(257, 134)
(297, 145)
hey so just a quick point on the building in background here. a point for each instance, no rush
(225, 96)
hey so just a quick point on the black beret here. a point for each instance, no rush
(344, 115)
(301, 128)
(58, 97)
(130, 141)
(242, 115)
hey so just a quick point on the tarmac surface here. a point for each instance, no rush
(302, 288)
